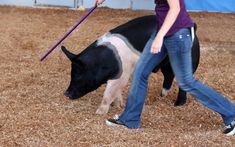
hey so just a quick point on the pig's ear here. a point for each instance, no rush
(70, 55)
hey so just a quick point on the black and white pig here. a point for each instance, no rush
(111, 59)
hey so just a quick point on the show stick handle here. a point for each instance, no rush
(68, 33)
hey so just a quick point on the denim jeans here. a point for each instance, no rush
(178, 48)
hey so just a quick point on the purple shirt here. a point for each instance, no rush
(182, 21)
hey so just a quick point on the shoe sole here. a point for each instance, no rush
(108, 123)
(231, 133)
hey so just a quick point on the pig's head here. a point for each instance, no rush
(90, 69)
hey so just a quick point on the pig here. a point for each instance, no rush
(112, 58)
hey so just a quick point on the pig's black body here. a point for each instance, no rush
(99, 63)
(137, 31)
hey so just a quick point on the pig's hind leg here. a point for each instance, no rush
(168, 79)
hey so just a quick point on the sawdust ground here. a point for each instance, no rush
(34, 112)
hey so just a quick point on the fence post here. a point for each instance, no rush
(131, 4)
(75, 4)
(81, 5)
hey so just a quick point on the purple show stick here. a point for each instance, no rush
(68, 33)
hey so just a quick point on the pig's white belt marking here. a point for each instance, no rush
(113, 48)
(108, 37)
(124, 49)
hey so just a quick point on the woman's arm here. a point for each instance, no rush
(174, 9)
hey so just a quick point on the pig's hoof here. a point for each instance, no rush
(102, 110)
(165, 92)
(179, 102)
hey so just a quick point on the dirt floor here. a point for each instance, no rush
(34, 112)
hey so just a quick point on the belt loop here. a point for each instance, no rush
(192, 33)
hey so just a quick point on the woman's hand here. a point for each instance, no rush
(157, 44)
(167, 24)
(99, 2)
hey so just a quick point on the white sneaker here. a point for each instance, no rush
(230, 129)
(114, 122)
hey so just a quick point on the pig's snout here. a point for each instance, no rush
(72, 95)
(68, 94)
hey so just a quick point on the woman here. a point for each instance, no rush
(172, 38)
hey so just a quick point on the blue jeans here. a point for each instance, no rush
(178, 48)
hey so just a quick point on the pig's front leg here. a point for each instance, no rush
(112, 92)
